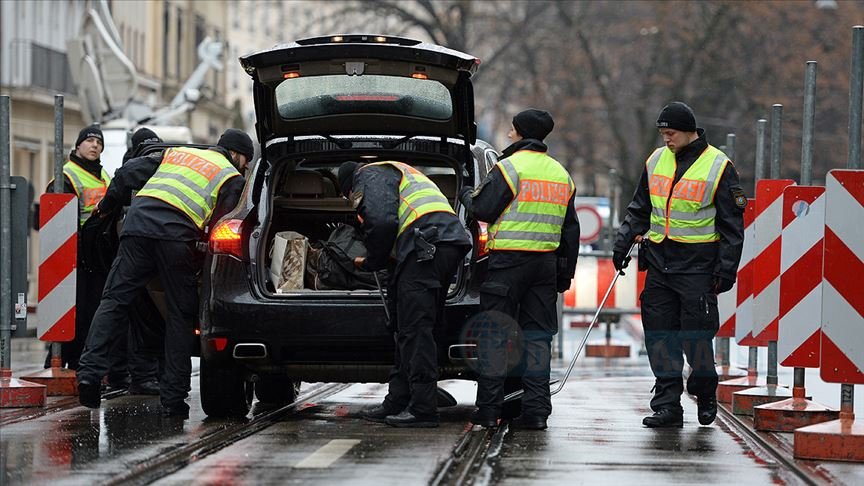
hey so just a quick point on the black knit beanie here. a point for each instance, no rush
(238, 141)
(144, 135)
(346, 176)
(531, 123)
(87, 132)
(677, 116)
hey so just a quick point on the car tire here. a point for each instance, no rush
(276, 389)
(224, 390)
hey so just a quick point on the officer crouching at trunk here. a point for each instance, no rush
(691, 204)
(404, 214)
(534, 244)
(167, 218)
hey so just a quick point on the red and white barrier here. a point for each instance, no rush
(743, 325)
(766, 270)
(800, 309)
(842, 296)
(593, 277)
(728, 302)
(58, 254)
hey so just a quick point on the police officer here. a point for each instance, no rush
(84, 176)
(691, 204)
(191, 188)
(403, 213)
(534, 244)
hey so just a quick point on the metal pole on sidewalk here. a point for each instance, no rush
(59, 159)
(723, 347)
(753, 351)
(856, 92)
(776, 155)
(5, 239)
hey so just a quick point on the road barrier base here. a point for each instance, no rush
(726, 373)
(15, 393)
(59, 382)
(744, 401)
(837, 440)
(726, 388)
(607, 349)
(790, 414)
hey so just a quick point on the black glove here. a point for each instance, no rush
(465, 195)
(620, 260)
(562, 284)
(722, 284)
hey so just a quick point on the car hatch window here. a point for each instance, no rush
(301, 97)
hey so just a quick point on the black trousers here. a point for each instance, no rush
(679, 315)
(420, 293)
(129, 357)
(138, 261)
(521, 299)
(88, 289)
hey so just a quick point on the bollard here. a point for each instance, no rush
(13, 392)
(58, 380)
(799, 411)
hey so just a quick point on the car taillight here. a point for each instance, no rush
(226, 238)
(482, 239)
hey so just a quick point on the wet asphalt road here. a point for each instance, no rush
(594, 437)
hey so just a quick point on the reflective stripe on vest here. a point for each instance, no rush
(685, 212)
(533, 219)
(189, 179)
(88, 188)
(417, 195)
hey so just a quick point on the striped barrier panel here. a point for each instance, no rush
(58, 254)
(744, 290)
(593, 277)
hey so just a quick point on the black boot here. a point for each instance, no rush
(707, 409)
(484, 417)
(531, 422)
(150, 387)
(379, 413)
(89, 394)
(408, 419)
(664, 417)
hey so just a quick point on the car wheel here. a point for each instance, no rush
(224, 390)
(276, 389)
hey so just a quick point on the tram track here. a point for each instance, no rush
(171, 461)
(468, 463)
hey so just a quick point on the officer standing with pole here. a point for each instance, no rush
(405, 214)
(534, 244)
(691, 204)
(191, 188)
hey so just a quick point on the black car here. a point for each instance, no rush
(320, 102)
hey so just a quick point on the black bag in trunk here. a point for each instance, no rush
(331, 266)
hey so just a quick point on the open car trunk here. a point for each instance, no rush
(303, 197)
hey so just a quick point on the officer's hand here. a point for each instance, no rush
(359, 261)
(620, 260)
(722, 285)
(465, 195)
(562, 284)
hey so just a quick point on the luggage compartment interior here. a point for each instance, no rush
(305, 199)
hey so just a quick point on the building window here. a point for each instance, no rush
(200, 30)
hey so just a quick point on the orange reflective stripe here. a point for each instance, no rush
(659, 185)
(531, 190)
(689, 190)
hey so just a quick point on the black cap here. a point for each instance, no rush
(238, 141)
(144, 135)
(87, 132)
(531, 123)
(346, 176)
(677, 116)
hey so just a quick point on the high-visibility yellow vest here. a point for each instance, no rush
(533, 219)
(89, 189)
(417, 195)
(189, 179)
(686, 212)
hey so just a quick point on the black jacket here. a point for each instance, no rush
(152, 218)
(718, 258)
(492, 197)
(375, 195)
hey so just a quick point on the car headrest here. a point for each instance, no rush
(304, 183)
(447, 184)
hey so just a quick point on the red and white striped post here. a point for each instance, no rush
(842, 320)
(766, 291)
(799, 332)
(744, 311)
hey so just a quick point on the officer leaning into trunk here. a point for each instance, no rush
(167, 218)
(404, 214)
(691, 204)
(534, 244)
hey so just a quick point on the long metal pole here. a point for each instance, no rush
(847, 391)
(776, 155)
(856, 86)
(809, 123)
(759, 173)
(5, 239)
(723, 346)
(59, 159)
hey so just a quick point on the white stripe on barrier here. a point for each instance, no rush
(55, 232)
(805, 233)
(847, 338)
(56, 304)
